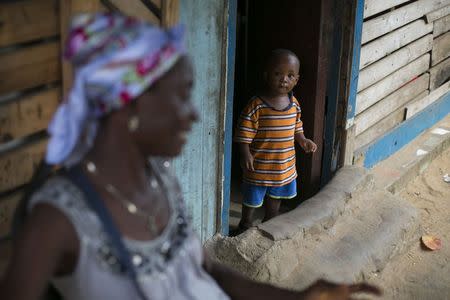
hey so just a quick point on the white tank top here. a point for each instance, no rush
(169, 267)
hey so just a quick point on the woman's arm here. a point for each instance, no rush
(239, 287)
(46, 242)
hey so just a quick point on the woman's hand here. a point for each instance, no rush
(325, 290)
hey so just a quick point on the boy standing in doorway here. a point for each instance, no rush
(267, 129)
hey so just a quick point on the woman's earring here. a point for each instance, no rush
(133, 123)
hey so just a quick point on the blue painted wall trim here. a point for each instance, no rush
(405, 132)
(359, 18)
(232, 14)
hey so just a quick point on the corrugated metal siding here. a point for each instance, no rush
(200, 166)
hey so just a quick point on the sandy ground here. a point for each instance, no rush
(422, 274)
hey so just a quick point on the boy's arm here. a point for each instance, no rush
(246, 132)
(246, 156)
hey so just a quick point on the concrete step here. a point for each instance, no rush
(374, 227)
(320, 212)
(360, 243)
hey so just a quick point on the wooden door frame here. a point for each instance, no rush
(329, 52)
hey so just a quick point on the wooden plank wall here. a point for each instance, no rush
(404, 63)
(33, 78)
(30, 89)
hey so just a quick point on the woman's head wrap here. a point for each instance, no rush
(116, 58)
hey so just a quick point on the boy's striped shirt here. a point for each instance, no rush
(270, 133)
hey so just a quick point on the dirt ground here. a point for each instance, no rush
(422, 274)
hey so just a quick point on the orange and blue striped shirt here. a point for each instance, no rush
(271, 135)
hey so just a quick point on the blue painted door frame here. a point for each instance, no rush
(231, 53)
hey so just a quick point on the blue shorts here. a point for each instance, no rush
(254, 194)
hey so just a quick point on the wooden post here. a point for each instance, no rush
(69, 8)
(169, 12)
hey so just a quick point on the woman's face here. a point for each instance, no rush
(166, 112)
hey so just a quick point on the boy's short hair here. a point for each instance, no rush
(276, 53)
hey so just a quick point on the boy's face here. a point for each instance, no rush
(282, 74)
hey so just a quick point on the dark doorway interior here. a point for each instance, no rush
(305, 28)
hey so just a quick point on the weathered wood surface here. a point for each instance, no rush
(28, 115)
(382, 68)
(17, 167)
(441, 48)
(385, 106)
(391, 83)
(24, 21)
(30, 67)
(349, 140)
(439, 13)
(372, 7)
(441, 26)
(439, 74)
(170, 12)
(5, 255)
(136, 9)
(397, 18)
(416, 106)
(69, 8)
(379, 48)
(384, 125)
(8, 205)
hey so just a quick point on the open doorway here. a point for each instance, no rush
(306, 28)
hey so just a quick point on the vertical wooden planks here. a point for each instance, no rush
(439, 74)
(441, 26)
(69, 8)
(136, 9)
(169, 12)
(441, 48)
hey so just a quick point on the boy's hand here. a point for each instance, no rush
(308, 145)
(247, 161)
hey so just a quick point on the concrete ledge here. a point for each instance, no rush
(322, 210)
(395, 172)
(360, 243)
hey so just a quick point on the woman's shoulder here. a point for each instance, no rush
(63, 195)
(56, 190)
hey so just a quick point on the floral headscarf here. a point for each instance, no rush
(116, 58)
